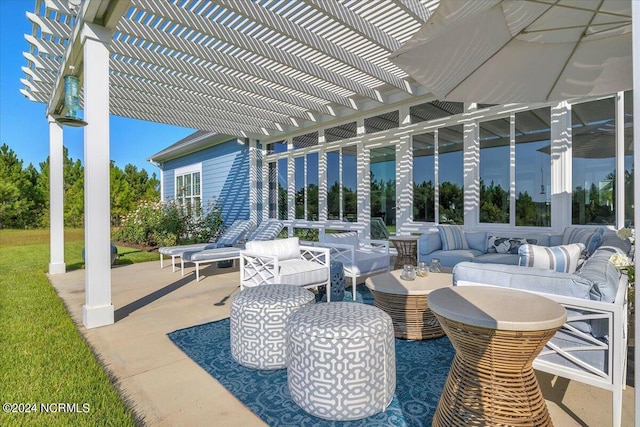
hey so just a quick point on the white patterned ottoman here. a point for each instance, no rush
(341, 360)
(258, 320)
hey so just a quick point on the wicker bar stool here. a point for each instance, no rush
(407, 247)
(497, 333)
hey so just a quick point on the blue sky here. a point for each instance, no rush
(23, 124)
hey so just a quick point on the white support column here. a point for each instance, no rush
(620, 196)
(323, 209)
(404, 176)
(512, 170)
(363, 166)
(291, 187)
(266, 185)
(253, 181)
(635, 31)
(471, 165)
(98, 310)
(561, 167)
(56, 198)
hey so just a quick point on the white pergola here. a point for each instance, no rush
(253, 69)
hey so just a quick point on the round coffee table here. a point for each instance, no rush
(497, 333)
(406, 302)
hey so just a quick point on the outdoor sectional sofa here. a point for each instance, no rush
(451, 245)
(592, 346)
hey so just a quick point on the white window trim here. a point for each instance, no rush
(186, 170)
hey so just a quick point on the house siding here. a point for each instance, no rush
(225, 178)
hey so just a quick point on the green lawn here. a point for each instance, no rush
(44, 360)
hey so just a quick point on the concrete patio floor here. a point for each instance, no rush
(169, 389)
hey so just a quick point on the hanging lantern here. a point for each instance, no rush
(71, 102)
(71, 97)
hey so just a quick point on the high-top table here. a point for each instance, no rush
(406, 301)
(497, 333)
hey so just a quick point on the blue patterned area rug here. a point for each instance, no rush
(421, 370)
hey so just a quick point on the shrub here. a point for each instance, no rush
(166, 224)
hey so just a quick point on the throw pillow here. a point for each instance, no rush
(563, 258)
(507, 245)
(452, 237)
(590, 238)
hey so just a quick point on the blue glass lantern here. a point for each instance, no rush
(71, 102)
(71, 95)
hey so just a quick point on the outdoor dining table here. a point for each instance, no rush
(497, 333)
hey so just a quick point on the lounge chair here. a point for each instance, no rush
(268, 230)
(285, 261)
(360, 257)
(239, 229)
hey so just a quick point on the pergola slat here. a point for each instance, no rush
(179, 115)
(344, 15)
(207, 76)
(419, 11)
(153, 35)
(196, 110)
(50, 26)
(283, 26)
(45, 46)
(189, 19)
(172, 80)
(197, 99)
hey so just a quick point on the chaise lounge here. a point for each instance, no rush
(231, 237)
(268, 230)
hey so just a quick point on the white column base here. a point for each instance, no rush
(57, 268)
(96, 316)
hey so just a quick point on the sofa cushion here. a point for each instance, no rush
(507, 245)
(510, 259)
(367, 261)
(429, 242)
(282, 249)
(590, 238)
(451, 258)
(523, 278)
(453, 237)
(602, 273)
(563, 259)
(346, 238)
(616, 242)
(477, 240)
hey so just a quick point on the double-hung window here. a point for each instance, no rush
(188, 188)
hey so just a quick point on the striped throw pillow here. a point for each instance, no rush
(452, 237)
(590, 238)
(564, 258)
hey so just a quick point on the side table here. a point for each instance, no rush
(407, 247)
(407, 302)
(497, 333)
